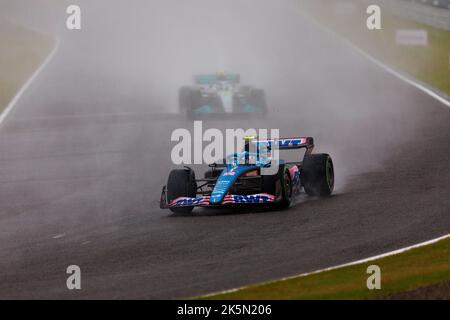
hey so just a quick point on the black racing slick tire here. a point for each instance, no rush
(259, 100)
(279, 185)
(185, 101)
(318, 175)
(286, 189)
(181, 183)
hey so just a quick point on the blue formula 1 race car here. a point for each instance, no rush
(221, 94)
(242, 180)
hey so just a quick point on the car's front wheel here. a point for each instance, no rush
(286, 189)
(279, 185)
(181, 183)
(185, 103)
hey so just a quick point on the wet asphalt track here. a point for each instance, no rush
(80, 178)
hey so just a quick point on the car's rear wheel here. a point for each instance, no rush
(318, 175)
(181, 183)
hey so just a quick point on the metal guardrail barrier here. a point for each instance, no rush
(444, 4)
(435, 13)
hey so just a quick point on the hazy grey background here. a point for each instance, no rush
(141, 51)
(132, 56)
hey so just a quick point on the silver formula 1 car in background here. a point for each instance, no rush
(219, 94)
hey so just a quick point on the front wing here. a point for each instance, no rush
(203, 201)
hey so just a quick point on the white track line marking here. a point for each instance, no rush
(403, 77)
(59, 236)
(384, 255)
(22, 90)
(381, 65)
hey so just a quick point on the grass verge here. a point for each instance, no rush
(22, 53)
(429, 64)
(407, 271)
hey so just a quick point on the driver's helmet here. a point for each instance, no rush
(221, 75)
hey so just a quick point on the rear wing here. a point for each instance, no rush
(209, 79)
(284, 143)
